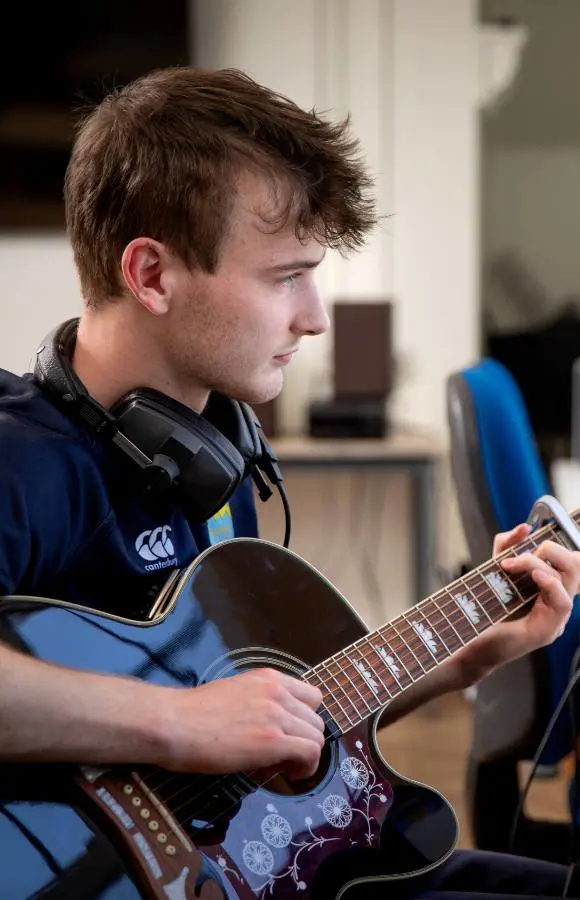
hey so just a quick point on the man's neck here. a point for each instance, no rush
(111, 358)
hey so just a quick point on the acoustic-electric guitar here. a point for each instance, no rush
(141, 833)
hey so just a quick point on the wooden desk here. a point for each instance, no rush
(415, 453)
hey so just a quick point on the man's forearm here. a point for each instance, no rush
(53, 714)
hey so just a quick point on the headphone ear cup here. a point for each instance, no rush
(189, 455)
(254, 428)
(52, 369)
(238, 423)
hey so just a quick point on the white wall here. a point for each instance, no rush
(436, 189)
(407, 70)
(39, 289)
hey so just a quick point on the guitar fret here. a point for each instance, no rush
(351, 681)
(361, 667)
(526, 547)
(392, 659)
(525, 586)
(391, 668)
(407, 643)
(329, 700)
(362, 678)
(358, 709)
(480, 606)
(325, 684)
(461, 642)
(420, 642)
(514, 581)
(503, 589)
(485, 596)
(442, 625)
(466, 610)
(429, 635)
(411, 663)
(374, 672)
(404, 654)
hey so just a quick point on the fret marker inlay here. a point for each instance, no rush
(426, 636)
(468, 607)
(357, 679)
(388, 660)
(500, 587)
(372, 683)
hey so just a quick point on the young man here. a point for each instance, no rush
(199, 205)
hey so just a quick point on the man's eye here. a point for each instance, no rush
(289, 279)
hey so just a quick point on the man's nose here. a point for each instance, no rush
(312, 318)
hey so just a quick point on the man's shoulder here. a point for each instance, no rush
(35, 436)
(53, 497)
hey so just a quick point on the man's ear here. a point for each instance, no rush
(143, 265)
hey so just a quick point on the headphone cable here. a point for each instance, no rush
(287, 513)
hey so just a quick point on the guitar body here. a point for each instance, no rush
(139, 833)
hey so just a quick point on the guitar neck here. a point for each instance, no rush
(361, 679)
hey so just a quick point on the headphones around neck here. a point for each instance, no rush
(178, 454)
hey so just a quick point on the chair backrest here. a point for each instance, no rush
(498, 476)
(496, 464)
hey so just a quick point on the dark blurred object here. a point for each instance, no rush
(516, 293)
(347, 418)
(92, 49)
(362, 349)
(541, 360)
(537, 338)
(575, 418)
(362, 377)
(267, 413)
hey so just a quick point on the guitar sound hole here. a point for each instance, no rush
(281, 784)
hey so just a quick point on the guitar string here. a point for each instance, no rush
(373, 698)
(340, 714)
(450, 614)
(522, 547)
(220, 780)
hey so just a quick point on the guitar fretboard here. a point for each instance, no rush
(365, 676)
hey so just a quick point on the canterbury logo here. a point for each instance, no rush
(155, 544)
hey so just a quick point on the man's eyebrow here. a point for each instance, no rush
(299, 264)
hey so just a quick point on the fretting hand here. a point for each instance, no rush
(556, 572)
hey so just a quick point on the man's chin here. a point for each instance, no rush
(257, 394)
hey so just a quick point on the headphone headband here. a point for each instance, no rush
(198, 460)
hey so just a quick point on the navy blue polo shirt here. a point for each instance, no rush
(73, 526)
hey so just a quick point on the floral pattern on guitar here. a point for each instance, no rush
(362, 792)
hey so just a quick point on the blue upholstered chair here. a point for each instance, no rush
(498, 475)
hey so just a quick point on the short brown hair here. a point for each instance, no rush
(160, 156)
